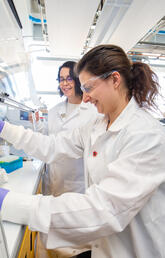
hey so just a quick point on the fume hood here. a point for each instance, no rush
(11, 42)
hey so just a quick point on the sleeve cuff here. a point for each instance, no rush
(1, 125)
(3, 193)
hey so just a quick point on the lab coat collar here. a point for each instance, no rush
(84, 105)
(62, 110)
(124, 118)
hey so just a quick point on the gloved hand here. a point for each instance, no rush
(1, 125)
(3, 193)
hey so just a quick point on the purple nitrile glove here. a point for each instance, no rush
(1, 125)
(3, 193)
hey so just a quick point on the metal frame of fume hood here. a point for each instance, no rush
(6, 100)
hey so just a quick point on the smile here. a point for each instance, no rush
(67, 89)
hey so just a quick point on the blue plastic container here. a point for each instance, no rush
(12, 165)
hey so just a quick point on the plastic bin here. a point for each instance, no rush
(13, 163)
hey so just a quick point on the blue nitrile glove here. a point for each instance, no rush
(3, 193)
(1, 125)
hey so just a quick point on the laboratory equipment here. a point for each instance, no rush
(11, 163)
(17, 113)
(23, 110)
(3, 176)
(4, 148)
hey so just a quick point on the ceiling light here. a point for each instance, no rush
(151, 54)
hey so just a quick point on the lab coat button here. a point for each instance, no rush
(94, 153)
(96, 246)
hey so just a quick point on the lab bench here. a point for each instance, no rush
(20, 240)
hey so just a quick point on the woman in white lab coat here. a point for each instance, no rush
(122, 212)
(67, 175)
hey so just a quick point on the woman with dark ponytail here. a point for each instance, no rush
(122, 212)
(140, 81)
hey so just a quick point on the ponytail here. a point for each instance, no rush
(144, 85)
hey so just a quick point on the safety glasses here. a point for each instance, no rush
(68, 79)
(88, 88)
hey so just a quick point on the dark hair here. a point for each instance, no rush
(140, 80)
(70, 65)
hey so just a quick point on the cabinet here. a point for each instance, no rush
(27, 249)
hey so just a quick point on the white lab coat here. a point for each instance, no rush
(68, 175)
(122, 212)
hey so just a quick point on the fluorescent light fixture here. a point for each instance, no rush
(150, 54)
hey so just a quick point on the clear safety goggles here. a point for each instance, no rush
(88, 88)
